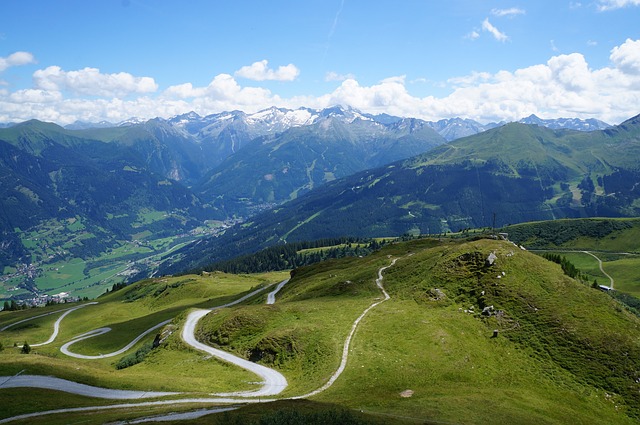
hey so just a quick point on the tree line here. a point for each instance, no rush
(296, 254)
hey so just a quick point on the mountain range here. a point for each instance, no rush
(234, 165)
(280, 119)
(113, 178)
(509, 174)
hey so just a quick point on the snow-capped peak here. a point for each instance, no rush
(131, 121)
(345, 113)
(280, 119)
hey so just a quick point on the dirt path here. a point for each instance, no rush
(271, 297)
(601, 269)
(347, 343)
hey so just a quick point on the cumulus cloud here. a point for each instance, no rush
(604, 5)
(259, 71)
(626, 57)
(222, 93)
(495, 32)
(35, 96)
(564, 86)
(513, 11)
(16, 59)
(91, 82)
(469, 80)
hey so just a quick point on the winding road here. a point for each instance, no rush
(52, 383)
(56, 325)
(271, 297)
(100, 331)
(273, 382)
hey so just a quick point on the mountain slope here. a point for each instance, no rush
(51, 173)
(552, 349)
(280, 168)
(509, 174)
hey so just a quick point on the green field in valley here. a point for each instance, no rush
(65, 257)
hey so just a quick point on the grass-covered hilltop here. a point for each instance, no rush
(434, 330)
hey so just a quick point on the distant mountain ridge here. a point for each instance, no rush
(282, 166)
(50, 173)
(590, 124)
(240, 125)
(510, 174)
(279, 119)
(112, 176)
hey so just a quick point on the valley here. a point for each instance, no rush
(332, 262)
(61, 262)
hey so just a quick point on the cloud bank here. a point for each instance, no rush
(563, 86)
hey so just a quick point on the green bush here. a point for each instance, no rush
(135, 358)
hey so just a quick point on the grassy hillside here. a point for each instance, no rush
(129, 312)
(551, 361)
(612, 241)
(564, 352)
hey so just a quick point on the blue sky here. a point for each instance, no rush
(70, 60)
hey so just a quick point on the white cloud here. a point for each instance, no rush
(16, 59)
(495, 32)
(563, 86)
(514, 11)
(35, 96)
(626, 57)
(334, 76)
(91, 82)
(222, 93)
(604, 5)
(259, 71)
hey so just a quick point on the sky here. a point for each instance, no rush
(487, 60)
